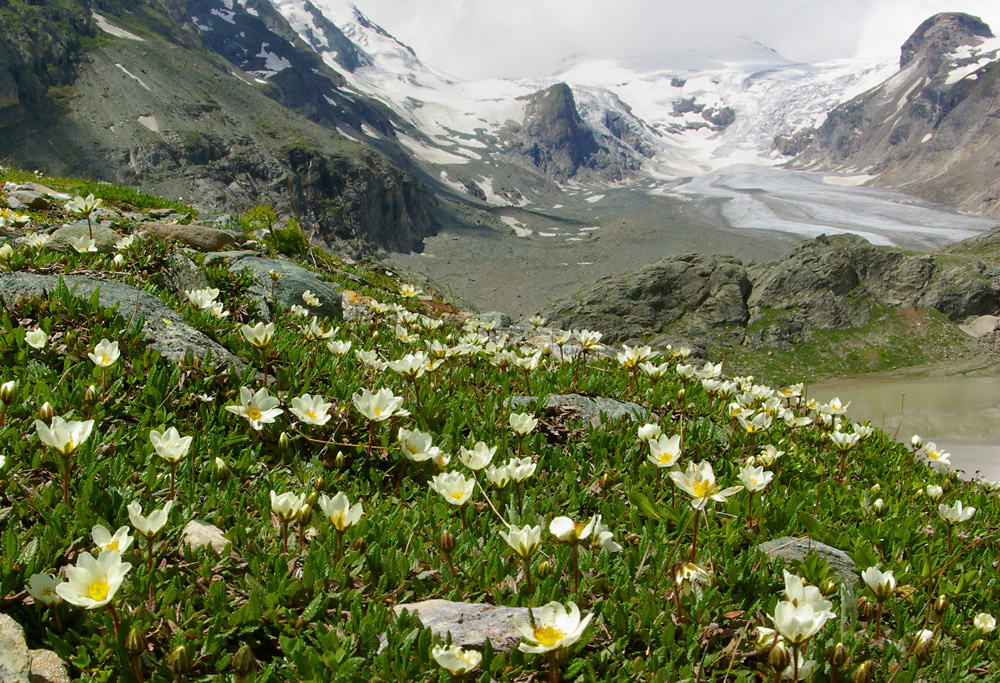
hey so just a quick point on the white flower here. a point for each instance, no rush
(479, 457)
(603, 538)
(62, 436)
(83, 244)
(521, 468)
(379, 406)
(698, 481)
(409, 291)
(42, 587)
(798, 623)
(985, 622)
(934, 492)
(37, 240)
(768, 455)
(286, 506)
(202, 298)
(311, 409)
(798, 593)
(934, 454)
(955, 513)
(300, 311)
(410, 366)
(170, 445)
(93, 582)
(455, 488)
(36, 338)
(338, 348)
(882, 584)
(455, 660)
(83, 206)
(554, 628)
(314, 332)
(118, 261)
(567, 531)
(523, 540)
(310, 299)
(339, 511)
(258, 335)
(151, 525)
(416, 445)
(648, 432)
(523, 423)
(125, 242)
(257, 408)
(755, 478)
(665, 451)
(105, 353)
(103, 539)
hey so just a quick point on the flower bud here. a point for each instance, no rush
(340, 460)
(46, 412)
(866, 609)
(946, 484)
(135, 642)
(543, 569)
(305, 512)
(779, 657)
(976, 644)
(941, 604)
(878, 507)
(828, 586)
(865, 673)
(275, 275)
(7, 391)
(90, 396)
(916, 442)
(360, 545)
(837, 655)
(284, 442)
(446, 542)
(222, 469)
(923, 644)
(318, 484)
(681, 393)
(243, 661)
(179, 661)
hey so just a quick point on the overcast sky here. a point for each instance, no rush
(484, 38)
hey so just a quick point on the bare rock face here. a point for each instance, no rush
(469, 624)
(930, 129)
(46, 667)
(194, 235)
(791, 548)
(554, 139)
(15, 661)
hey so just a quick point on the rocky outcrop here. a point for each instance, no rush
(930, 130)
(555, 140)
(824, 284)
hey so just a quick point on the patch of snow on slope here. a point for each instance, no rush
(516, 225)
(116, 31)
(429, 154)
(273, 63)
(225, 15)
(133, 76)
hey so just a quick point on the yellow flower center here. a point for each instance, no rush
(458, 495)
(254, 413)
(337, 520)
(548, 635)
(113, 545)
(311, 414)
(703, 488)
(98, 590)
(105, 360)
(378, 411)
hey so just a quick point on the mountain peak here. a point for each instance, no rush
(941, 34)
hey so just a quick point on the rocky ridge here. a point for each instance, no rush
(829, 283)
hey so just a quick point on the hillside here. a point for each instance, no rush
(375, 486)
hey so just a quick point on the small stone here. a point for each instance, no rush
(160, 214)
(791, 548)
(470, 624)
(46, 667)
(198, 534)
(15, 662)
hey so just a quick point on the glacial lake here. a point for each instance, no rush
(960, 414)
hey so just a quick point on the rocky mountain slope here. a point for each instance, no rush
(145, 102)
(932, 129)
(825, 289)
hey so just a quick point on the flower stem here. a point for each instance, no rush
(114, 617)
(694, 536)
(576, 568)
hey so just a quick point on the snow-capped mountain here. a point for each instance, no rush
(697, 114)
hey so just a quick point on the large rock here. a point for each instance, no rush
(469, 624)
(162, 327)
(182, 275)
(288, 290)
(590, 410)
(15, 661)
(790, 548)
(104, 237)
(194, 235)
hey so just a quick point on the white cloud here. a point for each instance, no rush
(479, 38)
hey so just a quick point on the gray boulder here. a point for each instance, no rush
(791, 548)
(15, 660)
(469, 624)
(162, 327)
(182, 275)
(47, 667)
(198, 534)
(194, 235)
(104, 237)
(587, 409)
(288, 290)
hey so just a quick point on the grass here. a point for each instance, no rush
(310, 614)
